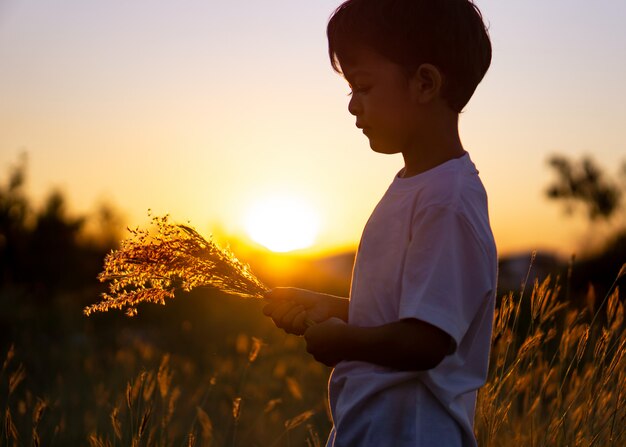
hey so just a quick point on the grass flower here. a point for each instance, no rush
(559, 379)
(151, 265)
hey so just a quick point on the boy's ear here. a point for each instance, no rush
(426, 83)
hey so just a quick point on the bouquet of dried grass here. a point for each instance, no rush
(151, 265)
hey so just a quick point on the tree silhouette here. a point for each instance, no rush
(582, 183)
(45, 248)
(56, 252)
(14, 215)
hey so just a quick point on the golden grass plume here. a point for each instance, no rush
(562, 381)
(153, 263)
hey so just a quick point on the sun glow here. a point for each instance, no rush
(282, 223)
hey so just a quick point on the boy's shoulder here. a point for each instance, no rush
(454, 184)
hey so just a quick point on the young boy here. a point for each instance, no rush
(411, 345)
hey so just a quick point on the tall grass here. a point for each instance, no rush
(557, 378)
(557, 374)
(168, 404)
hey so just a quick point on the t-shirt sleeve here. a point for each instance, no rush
(447, 273)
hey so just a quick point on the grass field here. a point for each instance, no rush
(210, 370)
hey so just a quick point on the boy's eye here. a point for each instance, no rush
(357, 89)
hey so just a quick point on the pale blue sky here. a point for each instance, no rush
(199, 108)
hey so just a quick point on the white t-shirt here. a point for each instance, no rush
(427, 252)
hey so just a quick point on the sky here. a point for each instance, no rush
(203, 109)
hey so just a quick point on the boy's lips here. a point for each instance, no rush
(362, 127)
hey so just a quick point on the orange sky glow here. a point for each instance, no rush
(203, 109)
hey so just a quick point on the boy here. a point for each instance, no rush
(411, 345)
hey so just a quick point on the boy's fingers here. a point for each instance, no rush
(269, 308)
(276, 298)
(293, 294)
(279, 310)
(289, 317)
(299, 322)
(270, 295)
(278, 293)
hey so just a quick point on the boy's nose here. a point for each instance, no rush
(354, 107)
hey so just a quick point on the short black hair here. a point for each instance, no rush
(449, 34)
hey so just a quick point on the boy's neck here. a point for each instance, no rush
(437, 147)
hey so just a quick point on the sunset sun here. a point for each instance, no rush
(282, 223)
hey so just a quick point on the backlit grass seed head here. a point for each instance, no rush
(236, 408)
(38, 411)
(254, 351)
(151, 265)
(16, 377)
(149, 387)
(164, 376)
(530, 344)
(614, 309)
(582, 343)
(313, 440)
(9, 427)
(622, 272)
(8, 358)
(298, 420)
(206, 426)
(271, 405)
(503, 315)
(601, 346)
(116, 424)
(171, 404)
(539, 297)
(294, 388)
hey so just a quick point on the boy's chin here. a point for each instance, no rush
(381, 148)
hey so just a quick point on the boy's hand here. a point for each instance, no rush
(323, 341)
(290, 307)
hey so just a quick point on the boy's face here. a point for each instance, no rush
(381, 101)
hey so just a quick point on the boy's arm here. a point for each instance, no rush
(290, 307)
(410, 344)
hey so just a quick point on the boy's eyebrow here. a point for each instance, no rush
(354, 74)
